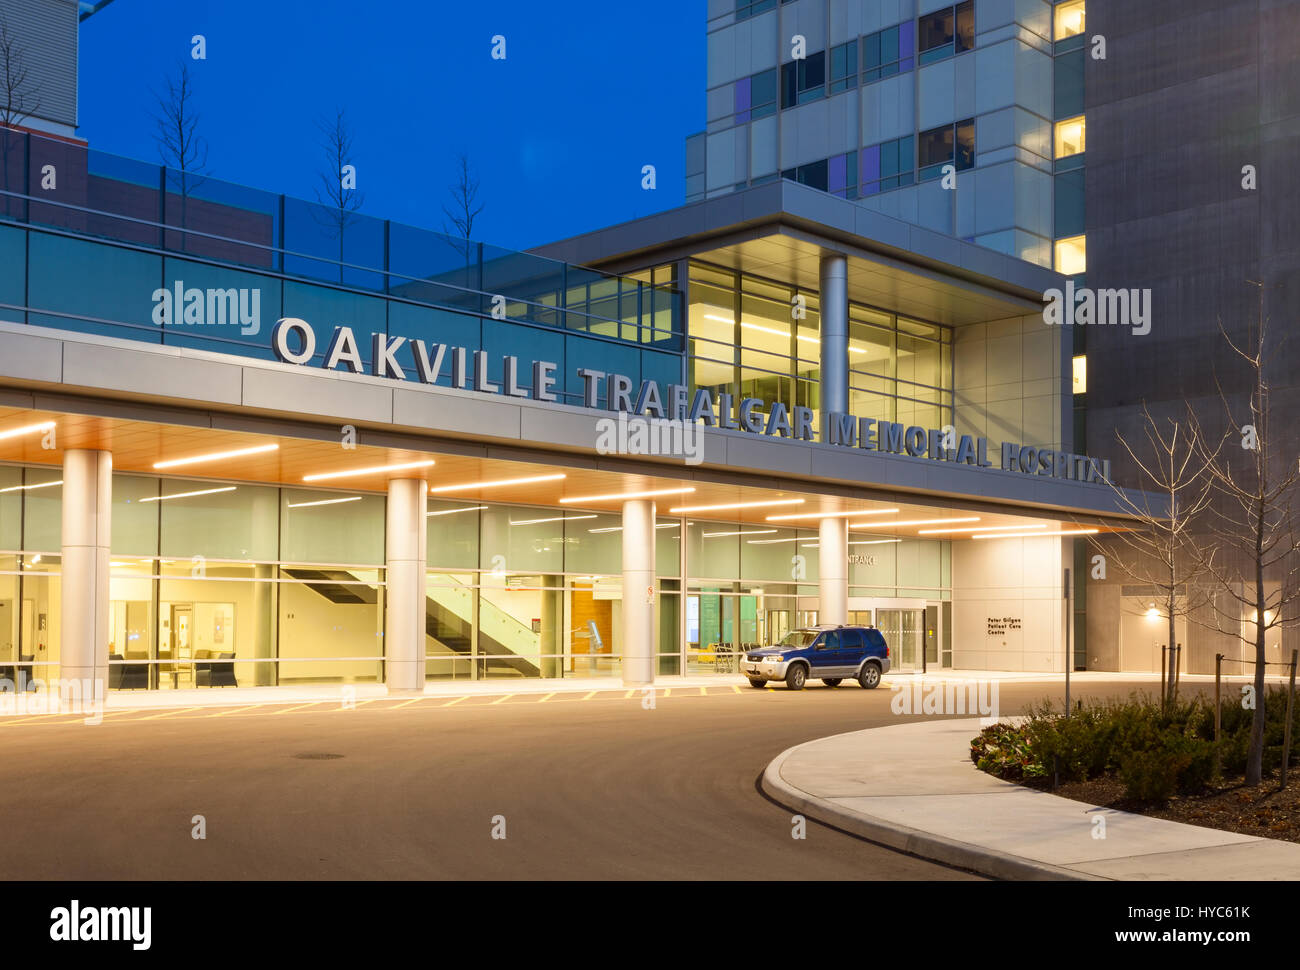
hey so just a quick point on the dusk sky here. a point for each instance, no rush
(589, 92)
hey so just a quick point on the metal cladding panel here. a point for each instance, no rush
(46, 33)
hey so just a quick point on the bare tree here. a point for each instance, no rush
(1175, 491)
(19, 98)
(184, 152)
(1252, 519)
(337, 191)
(463, 208)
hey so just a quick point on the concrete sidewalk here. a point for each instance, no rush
(913, 787)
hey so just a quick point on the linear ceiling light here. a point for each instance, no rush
(324, 501)
(827, 515)
(874, 542)
(26, 488)
(468, 508)
(625, 496)
(895, 525)
(202, 491)
(737, 505)
(470, 486)
(1037, 535)
(26, 429)
(981, 528)
(374, 470)
(558, 518)
(742, 532)
(215, 456)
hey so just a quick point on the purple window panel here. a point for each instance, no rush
(743, 103)
(906, 40)
(870, 165)
(838, 173)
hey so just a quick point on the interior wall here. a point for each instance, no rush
(998, 580)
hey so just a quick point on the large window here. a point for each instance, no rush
(1069, 19)
(889, 165)
(747, 341)
(946, 32)
(1070, 137)
(888, 52)
(803, 80)
(950, 145)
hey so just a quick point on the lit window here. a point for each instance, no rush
(1070, 136)
(1069, 19)
(1080, 375)
(1072, 255)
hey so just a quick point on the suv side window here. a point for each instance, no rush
(831, 640)
(852, 639)
(875, 639)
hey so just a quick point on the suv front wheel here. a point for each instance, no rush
(795, 677)
(869, 675)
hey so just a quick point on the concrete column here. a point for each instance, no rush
(87, 535)
(405, 563)
(638, 600)
(264, 674)
(551, 640)
(833, 558)
(834, 302)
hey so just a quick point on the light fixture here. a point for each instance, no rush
(215, 456)
(875, 542)
(742, 532)
(982, 528)
(202, 491)
(26, 429)
(468, 508)
(470, 486)
(27, 488)
(1152, 612)
(560, 518)
(737, 505)
(627, 496)
(768, 542)
(827, 515)
(895, 525)
(1039, 535)
(324, 501)
(374, 470)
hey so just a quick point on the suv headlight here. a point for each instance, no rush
(776, 658)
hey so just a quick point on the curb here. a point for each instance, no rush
(903, 838)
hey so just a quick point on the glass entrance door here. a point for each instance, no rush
(904, 631)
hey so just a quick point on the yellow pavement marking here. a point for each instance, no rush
(356, 704)
(413, 700)
(547, 697)
(231, 710)
(668, 691)
(503, 697)
(703, 692)
(589, 695)
(630, 693)
(298, 707)
(179, 710)
(462, 697)
(735, 688)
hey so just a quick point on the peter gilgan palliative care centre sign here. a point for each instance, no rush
(294, 342)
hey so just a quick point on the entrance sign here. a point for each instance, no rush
(294, 342)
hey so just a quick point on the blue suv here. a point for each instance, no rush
(830, 653)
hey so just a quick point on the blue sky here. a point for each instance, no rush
(589, 92)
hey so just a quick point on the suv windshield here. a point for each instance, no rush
(798, 638)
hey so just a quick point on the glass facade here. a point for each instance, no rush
(754, 338)
(213, 265)
(237, 585)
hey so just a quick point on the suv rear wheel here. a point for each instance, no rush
(832, 681)
(755, 682)
(795, 676)
(869, 675)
